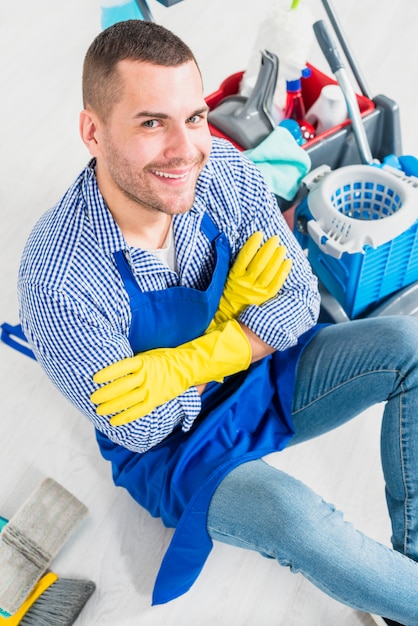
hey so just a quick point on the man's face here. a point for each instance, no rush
(156, 140)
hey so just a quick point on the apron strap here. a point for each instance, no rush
(209, 228)
(126, 273)
(14, 337)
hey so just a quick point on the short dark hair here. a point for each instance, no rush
(134, 40)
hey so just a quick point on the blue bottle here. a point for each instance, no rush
(113, 11)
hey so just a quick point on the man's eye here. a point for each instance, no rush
(151, 124)
(195, 119)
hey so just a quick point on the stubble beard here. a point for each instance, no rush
(134, 186)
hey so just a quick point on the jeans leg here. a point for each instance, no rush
(344, 370)
(348, 368)
(261, 508)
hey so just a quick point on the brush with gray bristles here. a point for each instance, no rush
(60, 604)
(53, 602)
(28, 544)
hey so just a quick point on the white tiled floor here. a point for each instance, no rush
(42, 44)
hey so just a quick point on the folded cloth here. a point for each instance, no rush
(281, 161)
(33, 537)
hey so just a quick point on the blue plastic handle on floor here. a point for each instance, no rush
(14, 337)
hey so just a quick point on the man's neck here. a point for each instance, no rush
(151, 236)
(141, 226)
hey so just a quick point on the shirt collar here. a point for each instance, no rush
(108, 233)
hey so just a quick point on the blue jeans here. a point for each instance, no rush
(345, 369)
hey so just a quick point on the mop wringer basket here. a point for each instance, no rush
(360, 228)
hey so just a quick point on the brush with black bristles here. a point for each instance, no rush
(53, 601)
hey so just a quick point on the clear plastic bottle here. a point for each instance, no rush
(295, 108)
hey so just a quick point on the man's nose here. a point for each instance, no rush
(180, 143)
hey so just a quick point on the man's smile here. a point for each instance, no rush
(171, 175)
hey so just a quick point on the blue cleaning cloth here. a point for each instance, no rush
(281, 161)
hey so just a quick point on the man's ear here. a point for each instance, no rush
(89, 130)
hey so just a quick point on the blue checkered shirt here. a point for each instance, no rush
(74, 309)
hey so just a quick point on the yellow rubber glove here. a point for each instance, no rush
(149, 379)
(257, 275)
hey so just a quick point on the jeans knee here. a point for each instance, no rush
(406, 342)
(399, 336)
(407, 328)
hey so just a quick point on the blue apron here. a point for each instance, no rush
(245, 418)
(242, 419)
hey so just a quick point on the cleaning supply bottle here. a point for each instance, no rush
(329, 110)
(295, 107)
(113, 11)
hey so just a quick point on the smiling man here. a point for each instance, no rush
(165, 296)
(149, 152)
